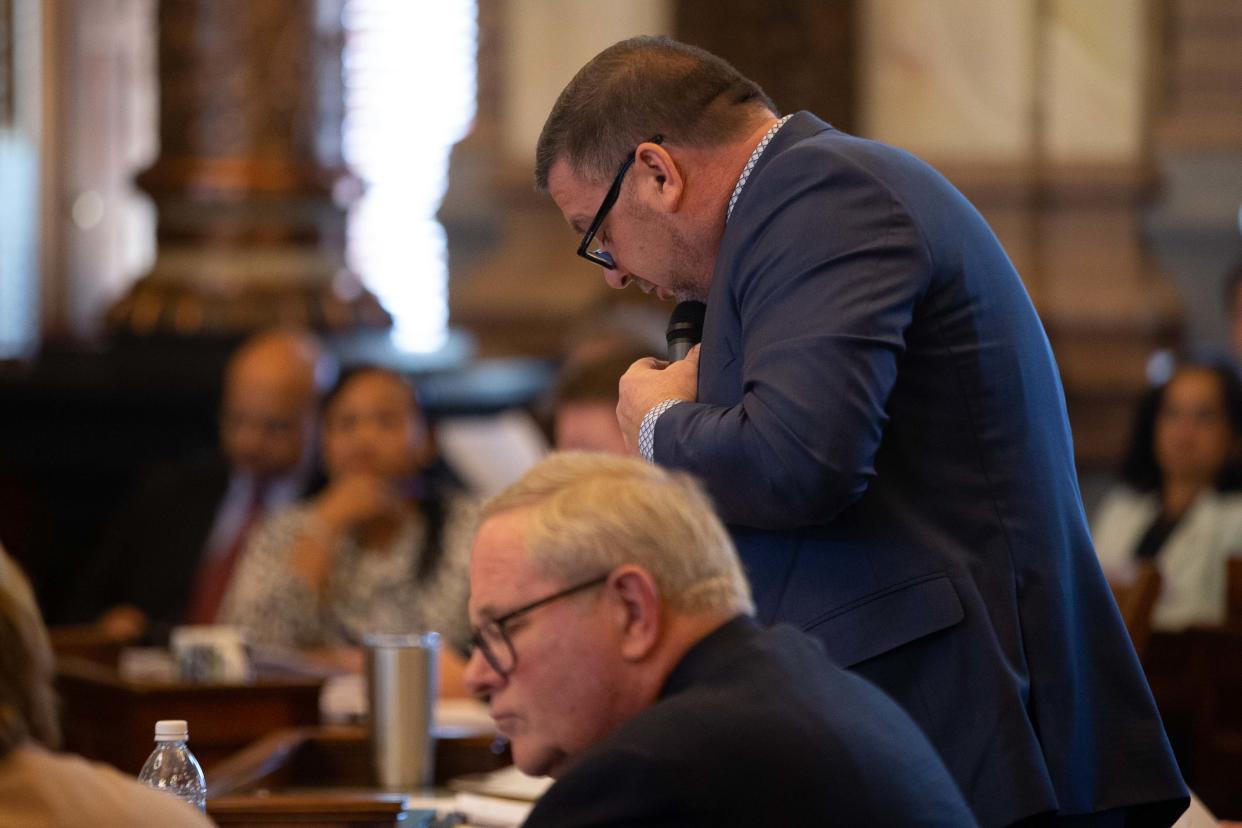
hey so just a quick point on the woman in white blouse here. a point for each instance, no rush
(1181, 502)
(373, 552)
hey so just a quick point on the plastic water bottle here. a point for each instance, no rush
(172, 768)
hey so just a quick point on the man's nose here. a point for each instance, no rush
(247, 439)
(616, 278)
(479, 676)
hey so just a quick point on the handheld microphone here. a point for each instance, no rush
(685, 328)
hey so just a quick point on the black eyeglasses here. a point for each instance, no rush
(493, 641)
(601, 257)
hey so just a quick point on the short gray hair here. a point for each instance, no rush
(589, 513)
(639, 88)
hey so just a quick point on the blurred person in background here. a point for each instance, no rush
(1179, 503)
(584, 410)
(39, 787)
(381, 549)
(490, 452)
(170, 554)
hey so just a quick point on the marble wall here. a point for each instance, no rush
(1007, 82)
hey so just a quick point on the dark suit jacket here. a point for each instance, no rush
(152, 550)
(756, 727)
(881, 423)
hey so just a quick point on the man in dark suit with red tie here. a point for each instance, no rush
(168, 556)
(876, 412)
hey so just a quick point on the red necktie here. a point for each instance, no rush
(214, 575)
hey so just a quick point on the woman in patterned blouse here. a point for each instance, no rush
(372, 553)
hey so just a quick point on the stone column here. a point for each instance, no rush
(249, 186)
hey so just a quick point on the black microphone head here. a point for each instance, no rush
(685, 328)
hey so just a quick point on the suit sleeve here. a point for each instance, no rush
(824, 285)
(135, 551)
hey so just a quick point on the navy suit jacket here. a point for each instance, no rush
(881, 423)
(757, 727)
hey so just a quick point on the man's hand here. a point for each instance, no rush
(649, 381)
(124, 622)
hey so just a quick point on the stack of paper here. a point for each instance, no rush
(491, 811)
(500, 799)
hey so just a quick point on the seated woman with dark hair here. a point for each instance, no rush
(377, 551)
(1181, 502)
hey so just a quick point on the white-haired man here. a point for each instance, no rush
(617, 652)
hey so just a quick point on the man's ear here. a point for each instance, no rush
(637, 608)
(662, 185)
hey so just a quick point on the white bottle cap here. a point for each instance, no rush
(171, 730)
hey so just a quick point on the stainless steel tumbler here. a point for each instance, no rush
(401, 685)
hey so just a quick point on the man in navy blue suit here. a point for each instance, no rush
(616, 651)
(877, 414)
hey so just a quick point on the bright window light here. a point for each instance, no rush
(410, 96)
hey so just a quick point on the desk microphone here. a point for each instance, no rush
(685, 328)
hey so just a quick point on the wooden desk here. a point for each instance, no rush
(1196, 678)
(332, 810)
(112, 720)
(1217, 720)
(323, 776)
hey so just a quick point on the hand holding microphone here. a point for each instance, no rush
(650, 381)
